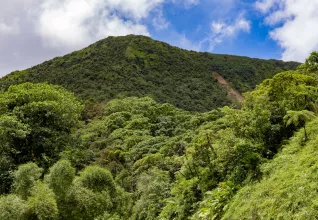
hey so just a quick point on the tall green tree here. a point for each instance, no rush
(25, 178)
(11, 129)
(12, 207)
(60, 178)
(299, 118)
(311, 63)
(43, 116)
(42, 203)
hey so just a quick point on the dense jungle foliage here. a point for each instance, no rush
(135, 158)
(139, 66)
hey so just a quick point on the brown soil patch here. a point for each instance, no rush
(232, 93)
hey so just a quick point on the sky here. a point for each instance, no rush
(32, 31)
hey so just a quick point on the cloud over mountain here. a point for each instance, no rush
(294, 25)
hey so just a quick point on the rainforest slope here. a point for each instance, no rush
(139, 66)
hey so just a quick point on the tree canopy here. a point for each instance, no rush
(36, 123)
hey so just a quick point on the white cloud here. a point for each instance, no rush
(264, 6)
(62, 23)
(71, 24)
(221, 31)
(32, 31)
(118, 27)
(186, 3)
(191, 2)
(294, 25)
(180, 40)
(185, 43)
(9, 29)
(159, 21)
(136, 9)
(76, 23)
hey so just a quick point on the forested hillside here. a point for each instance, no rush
(135, 158)
(289, 186)
(139, 66)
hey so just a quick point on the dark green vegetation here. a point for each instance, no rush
(139, 66)
(135, 158)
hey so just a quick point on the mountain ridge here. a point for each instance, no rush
(139, 66)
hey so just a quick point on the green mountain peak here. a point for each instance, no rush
(139, 66)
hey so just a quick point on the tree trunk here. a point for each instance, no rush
(305, 132)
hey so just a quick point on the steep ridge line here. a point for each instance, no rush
(140, 66)
(232, 93)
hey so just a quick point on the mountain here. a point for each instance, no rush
(139, 66)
